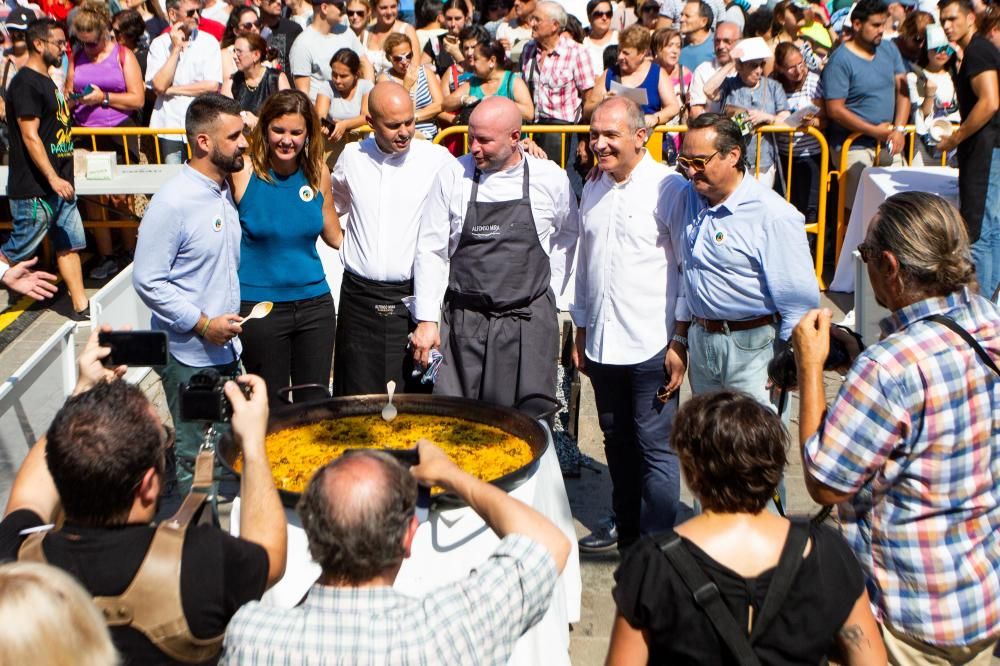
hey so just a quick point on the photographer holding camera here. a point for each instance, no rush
(168, 592)
(909, 448)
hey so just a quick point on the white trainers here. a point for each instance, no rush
(105, 269)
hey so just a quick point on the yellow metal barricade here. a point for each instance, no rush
(125, 132)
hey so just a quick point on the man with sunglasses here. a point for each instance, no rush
(40, 186)
(977, 138)
(182, 64)
(748, 274)
(909, 448)
(627, 284)
(102, 462)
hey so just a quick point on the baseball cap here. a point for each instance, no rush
(817, 33)
(753, 48)
(19, 19)
(935, 37)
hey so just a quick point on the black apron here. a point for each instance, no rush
(499, 329)
(372, 329)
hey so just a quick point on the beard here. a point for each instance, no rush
(228, 163)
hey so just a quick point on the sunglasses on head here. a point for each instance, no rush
(699, 164)
(598, 15)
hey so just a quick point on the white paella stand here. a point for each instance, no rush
(449, 545)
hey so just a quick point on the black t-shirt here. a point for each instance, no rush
(281, 38)
(219, 573)
(34, 95)
(980, 56)
(651, 596)
(442, 59)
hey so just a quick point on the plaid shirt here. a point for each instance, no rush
(559, 80)
(915, 435)
(474, 621)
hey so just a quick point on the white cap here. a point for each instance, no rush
(753, 48)
(935, 37)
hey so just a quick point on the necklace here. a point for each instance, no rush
(259, 78)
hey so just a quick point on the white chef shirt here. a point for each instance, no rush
(627, 278)
(553, 206)
(380, 198)
(201, 61)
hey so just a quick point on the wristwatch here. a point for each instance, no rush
(107, 100)
(681, 339)
(899, 128)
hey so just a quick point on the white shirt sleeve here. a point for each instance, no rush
(430, 266)
(341, 190)
(4, 267)
(299, 58)
(159, 51)
(211, 62)
(696, 92)
(562, 242)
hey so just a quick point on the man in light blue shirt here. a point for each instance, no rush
(186, 260)
(748, 274)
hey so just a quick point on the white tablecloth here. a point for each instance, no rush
(877, 185)
(448, 546)
(132, 179)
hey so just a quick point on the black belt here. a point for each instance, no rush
(723, 326)
(378, 284)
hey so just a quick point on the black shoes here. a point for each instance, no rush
(83, 316)
(602, 539)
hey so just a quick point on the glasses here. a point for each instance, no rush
(597, 15)
(754, 64)
(191, 13)
(942, 50)
(798, 65)
(250, 24)
(663, 394)
(61, 44)
(90, 45)
(867, 251)
(356, 12)
(699, 164)
(405, 57)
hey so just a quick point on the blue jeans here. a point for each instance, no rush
(645, 473)
(986, 250)
(736, 360)
(38, 216)
(172, 152)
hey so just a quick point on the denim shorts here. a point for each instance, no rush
(37, 216)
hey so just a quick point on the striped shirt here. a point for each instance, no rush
(805, 145)
(559, 80)
(421, 94)
(474, 621)
(914, 435)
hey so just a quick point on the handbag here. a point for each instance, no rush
(707, 596)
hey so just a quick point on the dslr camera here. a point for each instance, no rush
(202, 398)
(783, 372)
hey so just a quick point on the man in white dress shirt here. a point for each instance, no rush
(627, 287)
(183, 63)
(496, 240)
(379, 188)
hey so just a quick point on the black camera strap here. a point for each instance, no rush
(965, 335)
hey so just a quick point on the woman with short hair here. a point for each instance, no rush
(732, 452)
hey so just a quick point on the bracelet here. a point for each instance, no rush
(899, 128)
(682, 339)
(205, 328)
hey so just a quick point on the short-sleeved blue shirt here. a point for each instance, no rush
(694, 55)
(867, 87)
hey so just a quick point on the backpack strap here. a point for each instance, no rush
(965, 335)
(781, 582)
(707, 597)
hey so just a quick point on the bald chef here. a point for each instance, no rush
(507, 222)
(380, 186)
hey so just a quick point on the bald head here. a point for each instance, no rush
(494, 132)
(356, 512)
(391, 114)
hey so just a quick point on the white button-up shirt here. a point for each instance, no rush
(200, 61)
(627, 277)
(553, 206)
(380, 198)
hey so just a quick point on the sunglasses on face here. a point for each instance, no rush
(191, 13)
(867, 251)
(90, 45)
(699, 164)
(597, 15)
(356, 12)
(405, 57)
(249, 24)
(943, 50)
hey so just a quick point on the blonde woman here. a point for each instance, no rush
(420, 80)
(387, 23)
(285, 202)
(47, 618)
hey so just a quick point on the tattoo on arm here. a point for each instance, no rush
(853, 636)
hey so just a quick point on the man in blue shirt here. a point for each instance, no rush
(186, 260)
(866, 92)
(748, 274)
(697, 21)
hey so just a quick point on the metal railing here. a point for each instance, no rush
(125, 132)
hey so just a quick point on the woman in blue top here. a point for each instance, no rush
(285, 203)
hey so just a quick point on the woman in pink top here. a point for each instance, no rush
(106, 83)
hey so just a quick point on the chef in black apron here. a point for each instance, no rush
(499, 333)
(380, 186)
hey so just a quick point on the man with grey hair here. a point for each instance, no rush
(627, 286)
(909, 448)
(715, 70)
(358, 515)
(559, 73)
(496, 243)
